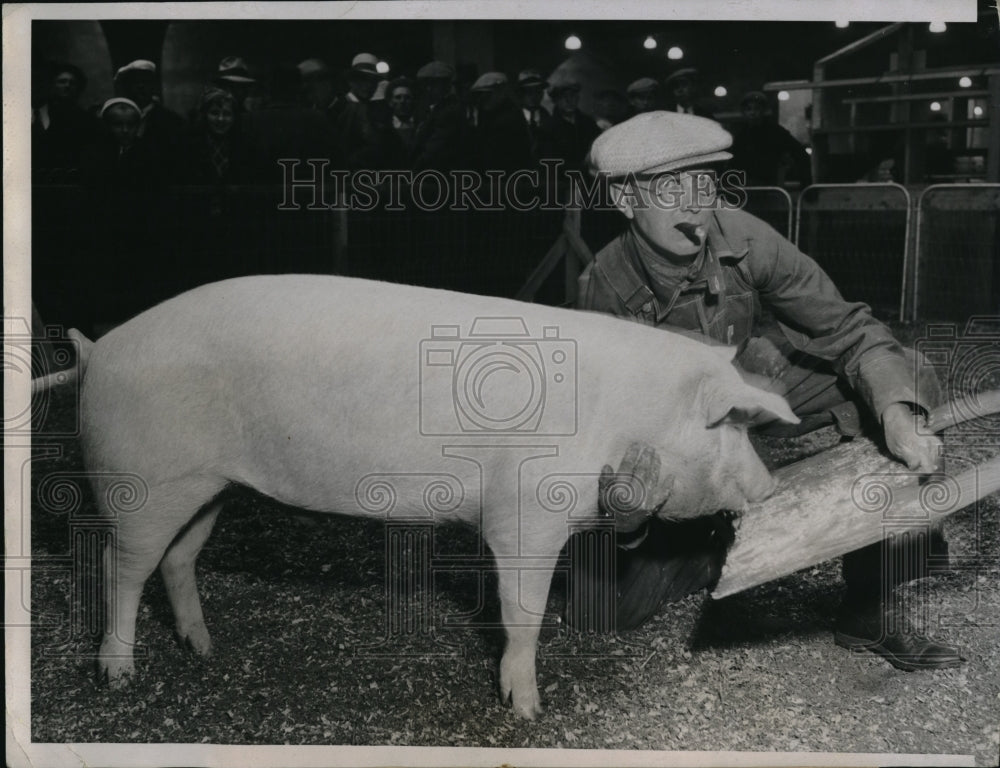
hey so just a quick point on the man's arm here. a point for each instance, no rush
(861, 348)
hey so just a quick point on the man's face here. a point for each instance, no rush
(140, 86)
(318, 91)
(363, 86)
(683, 92)
(123, 123)
(643, 102)
(566, 101)
(672, 210)
(64, 88)
(220, 117)
(401, 102)
(753, 112)
(531, 96)
(435, 89)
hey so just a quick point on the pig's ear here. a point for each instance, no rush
(744, 405)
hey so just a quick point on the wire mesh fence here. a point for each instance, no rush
(859, 234)
(773, 205)
(957, 270)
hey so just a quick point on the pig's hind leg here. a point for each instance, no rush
(142, 538)
(177, 570)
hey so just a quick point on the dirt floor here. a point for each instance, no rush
(304, 652)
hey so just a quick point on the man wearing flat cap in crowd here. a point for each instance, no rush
(440, 140)
(568, 134)
(643, 95)
(530, 91)
(499, 133)
(160, 130)
(233, 75)
(682, 93)
(714, 272)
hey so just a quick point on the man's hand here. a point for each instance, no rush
(903, 428)
(630, 494)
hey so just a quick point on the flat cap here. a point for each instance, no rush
(642, 85)
(436, 70)
(139, 65)
(530, 78)
(313, 68)
(685, 73)
(653, 142)
(233, 69)
(489, 81)
(752, 97)
(563, 82)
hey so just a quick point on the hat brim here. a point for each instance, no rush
(684, 163)
(236, 79)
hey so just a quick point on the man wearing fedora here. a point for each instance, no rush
(233, 75)
(688, 264)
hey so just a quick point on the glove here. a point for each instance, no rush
(909, 440)
(629, 496)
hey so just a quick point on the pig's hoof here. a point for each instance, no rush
(527, 703)
(196, 638)
(118, 673)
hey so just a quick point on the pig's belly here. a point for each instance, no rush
(368, 456)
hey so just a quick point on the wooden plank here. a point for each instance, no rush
(847, 497)
(836, 502)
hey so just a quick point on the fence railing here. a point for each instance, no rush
(99, 257)
(957, 269)
(859, 234)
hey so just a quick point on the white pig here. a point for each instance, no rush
(302, 387)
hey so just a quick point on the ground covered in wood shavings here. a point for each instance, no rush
(297, 610)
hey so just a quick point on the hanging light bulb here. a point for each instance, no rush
(977, 111)
(720, 91)
(382, 67)
(675, 53)
(649, 43)
(935, 106)
(842, 24)
(937, 27)
(784, 96)
(573, 43)
(965, 82)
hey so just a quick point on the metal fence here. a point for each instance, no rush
(859, 234)
(773, 205)
(957, 269)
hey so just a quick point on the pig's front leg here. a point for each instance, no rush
(523, 595)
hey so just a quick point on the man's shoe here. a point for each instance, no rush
(903, 647)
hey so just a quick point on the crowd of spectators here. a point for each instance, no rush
(154, 202)
(359, 119)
